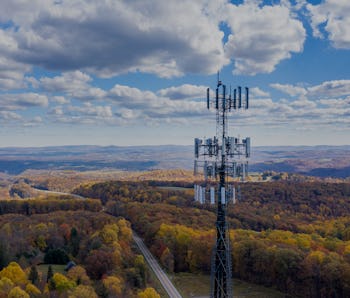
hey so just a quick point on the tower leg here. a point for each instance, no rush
(221, 275)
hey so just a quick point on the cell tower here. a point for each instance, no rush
(221, 159)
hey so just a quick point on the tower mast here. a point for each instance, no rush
(218, 159)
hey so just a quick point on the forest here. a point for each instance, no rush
(35, 249)
(294, 236)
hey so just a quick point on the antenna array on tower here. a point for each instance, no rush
(221, 161)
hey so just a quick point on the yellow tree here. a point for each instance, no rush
(125, 232)
(148, 293)
(82, 291)
(17, 292)
(32, 290)
(79, 275)
(15, 273)
(109, 234)
(114, 285)
(5, 286)
(62, 283)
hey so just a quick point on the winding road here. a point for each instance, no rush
(152, 262)
(58, 193)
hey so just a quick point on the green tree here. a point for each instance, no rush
(74, 241)
(3, 254)
(56, 256)
(33, 275)
(49, 273)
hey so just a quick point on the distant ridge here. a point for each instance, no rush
(320, 161)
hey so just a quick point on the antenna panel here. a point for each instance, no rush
(247, 147)
(233, 195)
(212, 195)
(223, 195)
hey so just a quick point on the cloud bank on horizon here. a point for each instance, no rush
(135, 72)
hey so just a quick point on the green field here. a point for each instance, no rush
(196, 285)
(55, 268)
(175, 188)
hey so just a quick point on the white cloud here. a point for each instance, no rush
(257, 92)
(133, 98)
(89, 110)
(327, 89)
(8, 116)
(68, 82)
(303, 104)
(262, 36)
(331, 19)
(128, 114)
(22, 101)
(185, 91)
(75, 84)
(147, 105)
(33, 122)
(82, 114)
(60, 100)
(290, 89)
(11, 72)
(165, 38)
(58, 111)
(338, 103)
(336, 88)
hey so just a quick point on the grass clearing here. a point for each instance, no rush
(42, 268)
(174, 188)
(198, 285)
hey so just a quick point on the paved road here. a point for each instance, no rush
(163, 278)
(59, 193)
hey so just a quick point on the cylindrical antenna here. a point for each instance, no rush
(234, 99)
(239, 97)
(246, 98)
(223, 96)
(230, 100)
(208, 98)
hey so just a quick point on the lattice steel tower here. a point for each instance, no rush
(222, 160)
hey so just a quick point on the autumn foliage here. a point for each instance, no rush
(294, 236)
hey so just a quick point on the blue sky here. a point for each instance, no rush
(135, 72)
